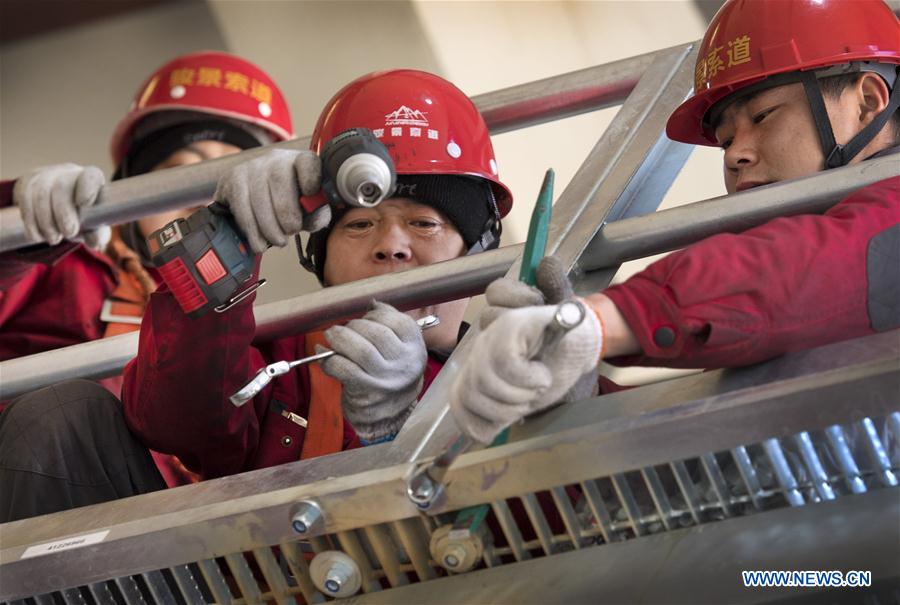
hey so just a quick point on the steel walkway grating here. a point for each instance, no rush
(805, 468)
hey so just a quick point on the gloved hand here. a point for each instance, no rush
(380, 362)
(502, 294)
(553, 287)
(499, 383)
(263, 195)
(50, 197)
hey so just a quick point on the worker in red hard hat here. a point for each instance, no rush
(786, 88)
(448, 202)
(196, 107)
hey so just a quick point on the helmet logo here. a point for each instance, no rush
(180, 79)
(404, 116)
(738, 53)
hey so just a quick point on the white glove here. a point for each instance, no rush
(503, 294)
(380, 363)
(499, 383)
(50, 198)
(263, 195)
(553, 286)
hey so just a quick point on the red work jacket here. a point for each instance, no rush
(50, 297)
(790, 284)
(177, 390)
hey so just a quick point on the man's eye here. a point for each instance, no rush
(358, 224)
(725, 144)
(759, 117)
(425, 223)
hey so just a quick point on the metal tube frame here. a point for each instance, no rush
(625, 175)
(508, 109)
(616, 242)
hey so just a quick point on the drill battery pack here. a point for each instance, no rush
(203, 259)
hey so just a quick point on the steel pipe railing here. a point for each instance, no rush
(674, 228)
(616, 242)
(504, 110)
(441, 282)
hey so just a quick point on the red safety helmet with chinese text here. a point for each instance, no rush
(213, 83)
(755, 44)
(428, 125)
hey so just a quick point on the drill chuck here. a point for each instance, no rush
(363, 178)
(357, 169)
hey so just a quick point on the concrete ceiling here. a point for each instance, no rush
(20, 19)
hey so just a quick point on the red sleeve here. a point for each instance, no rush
(21, 265)
(52, 298)
(17, 283)
(736, 299)
(6, 191)
(176, 390)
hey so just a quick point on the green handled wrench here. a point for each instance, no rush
(425, 484)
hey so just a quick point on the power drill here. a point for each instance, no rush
(205, 259)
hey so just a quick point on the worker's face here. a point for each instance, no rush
(192, 154)
(771, 136)
(396, 235)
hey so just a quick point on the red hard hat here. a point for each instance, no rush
(749, 40)
(428, 125)
(210, 82)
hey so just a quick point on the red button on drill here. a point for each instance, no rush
(210, 267)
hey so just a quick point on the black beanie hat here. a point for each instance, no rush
(456, 197)
(160, 135)
(149, 151)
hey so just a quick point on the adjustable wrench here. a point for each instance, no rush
(425, 485)
(280, 368)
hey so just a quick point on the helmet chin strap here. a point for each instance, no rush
(840, 155)
(490, 233)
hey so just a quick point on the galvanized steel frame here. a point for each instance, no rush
(508, 109)
(696, 565)
(602, 437)
(624, 176)
(616, 242)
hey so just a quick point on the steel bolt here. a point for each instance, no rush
(306, 518)
(454, 556)
(335, 573)
(336, 577)
(421, 490)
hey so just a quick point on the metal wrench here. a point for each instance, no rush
(280, 368)
(426, 483)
